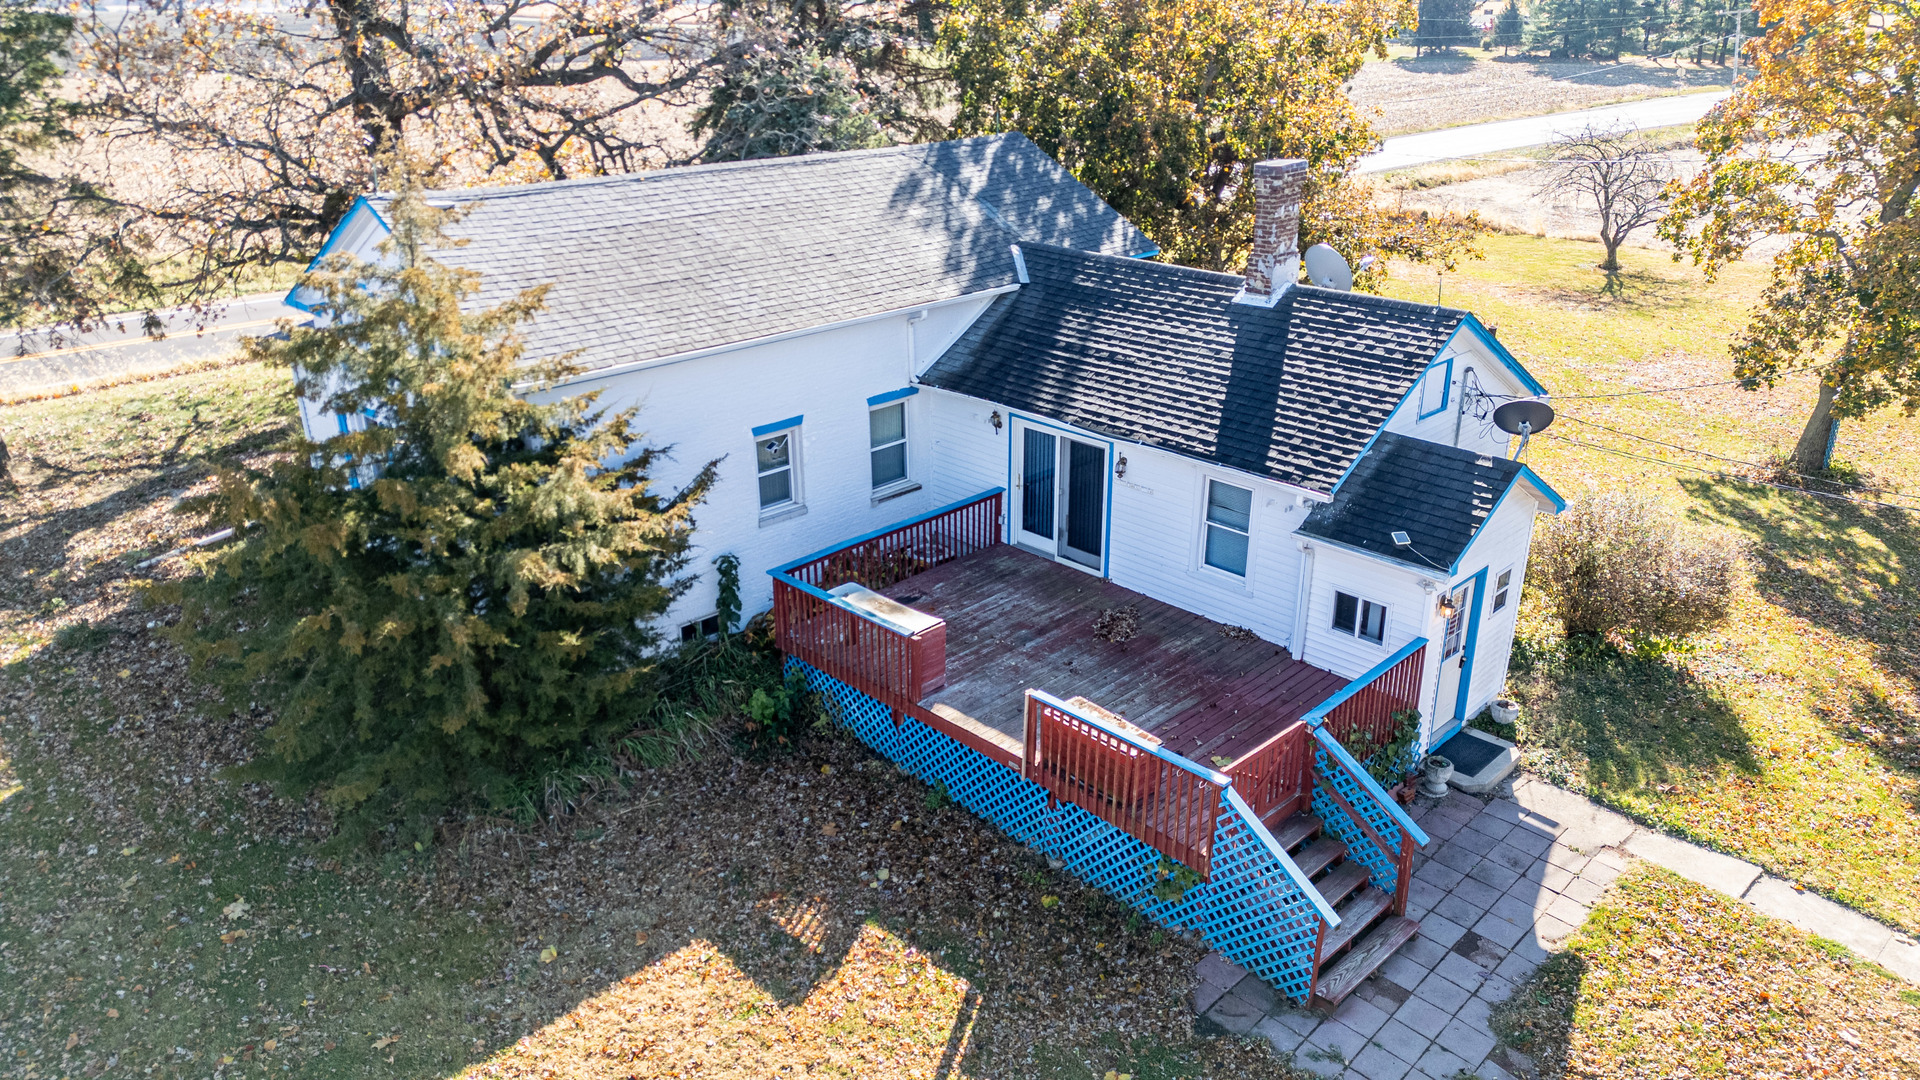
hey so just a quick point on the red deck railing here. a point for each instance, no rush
(1275, 777)
(874, 658)
(1157, 796)
(1369, 705)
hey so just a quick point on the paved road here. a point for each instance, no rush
(31, 363)
(1472, 140)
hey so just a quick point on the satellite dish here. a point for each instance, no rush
(1327, 269)
(1526, 416)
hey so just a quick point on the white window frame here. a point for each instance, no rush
(1245, 575)
(905, 480)
(696, 626)
(1502, 586)
(795, 500)
(1360, 608)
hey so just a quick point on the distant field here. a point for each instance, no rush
(1476, 87)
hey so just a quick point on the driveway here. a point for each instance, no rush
(31, 361)
(1473, 140)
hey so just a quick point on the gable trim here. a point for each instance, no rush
(1533, 480)
(333, 240)
(1500, 353)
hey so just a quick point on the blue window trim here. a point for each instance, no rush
(1446, 388)
(777, 425)
(333, 239)
(892, 395)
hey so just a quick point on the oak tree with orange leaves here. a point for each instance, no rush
(1821, 147)
(1162, 107)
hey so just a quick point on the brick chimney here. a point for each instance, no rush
(1274, 263)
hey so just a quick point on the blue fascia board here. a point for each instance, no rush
(1318, 714)
(333, 238)
(1372, 786)
(777, 425)
(1513, 364)
(893, 395)
(787, 568)
(1526, 474)
(1559, 503)
(1147, 254)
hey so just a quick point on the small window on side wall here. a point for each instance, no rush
(701, 629)
(773, 458)
(1363, 619)
(887, 435)
(1229, 521)
(1502, 588)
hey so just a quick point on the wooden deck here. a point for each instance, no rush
(1016, 620)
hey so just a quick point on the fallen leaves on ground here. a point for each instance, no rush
(1670, 979)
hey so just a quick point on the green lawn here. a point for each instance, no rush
(1791, 736)
(1670, 979)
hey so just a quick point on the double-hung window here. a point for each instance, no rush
(1502, 586)
(774, 459)
(1363, 619)
(1228, 524)
(887, 439)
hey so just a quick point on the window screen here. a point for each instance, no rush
(1229, 517)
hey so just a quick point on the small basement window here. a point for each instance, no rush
(1362, 618)
(1501, 587)
(699, 629)
(1229, 519)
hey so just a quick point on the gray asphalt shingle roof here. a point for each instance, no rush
(1159, 354)
(1438, 495)
(660, 263)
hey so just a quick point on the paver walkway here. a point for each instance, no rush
(1503, 881)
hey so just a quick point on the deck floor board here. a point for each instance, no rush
(1016, 620)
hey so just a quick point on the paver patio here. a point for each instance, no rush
(1503, 881)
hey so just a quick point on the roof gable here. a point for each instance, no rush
(651, 265)
(1438, 495)
(1160, 354)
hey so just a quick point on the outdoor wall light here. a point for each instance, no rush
(1447, 607)
(995, 420)
(1120, 467)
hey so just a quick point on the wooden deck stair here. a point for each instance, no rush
(1368, 932)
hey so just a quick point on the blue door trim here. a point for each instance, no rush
(1457, 721)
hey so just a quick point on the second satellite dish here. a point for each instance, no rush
(1526, 416)
(1327, 269)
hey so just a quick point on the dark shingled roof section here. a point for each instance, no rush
(1160, 354)
(1438, 495)
(659, 263)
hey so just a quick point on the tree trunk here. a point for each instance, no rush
(1810, 453)
(1612, 263)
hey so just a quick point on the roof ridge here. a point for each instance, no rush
(1218, 277)
(674, 172)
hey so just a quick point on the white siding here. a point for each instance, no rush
(1466, 351)
(1410, 609)
(707, 408)
(1504, 541)
(969, 455)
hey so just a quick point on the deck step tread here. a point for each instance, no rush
(1359, 913)
(1364, 959)
(1296, 830)
(1340, 884)
(1319, 855)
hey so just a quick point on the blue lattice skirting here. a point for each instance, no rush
(1251, 911)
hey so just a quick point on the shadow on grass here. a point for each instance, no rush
(1851, 569)
(1620, 289)
(1628, 722)
(1537, 1020)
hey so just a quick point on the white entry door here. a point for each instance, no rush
(1060, 494)
(1453, 657)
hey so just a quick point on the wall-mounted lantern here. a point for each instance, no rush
(1120, 466)
(995, 421)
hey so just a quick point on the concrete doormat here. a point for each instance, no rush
(1505, 880)
(1481, 762)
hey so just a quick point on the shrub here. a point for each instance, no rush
(458, 595)
(1621, 563)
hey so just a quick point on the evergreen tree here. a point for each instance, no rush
(1509, 29)
(440, 601)
(1600, 29)
(1444, 24)
(772, 102)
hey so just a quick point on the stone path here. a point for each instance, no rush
(1502, 882)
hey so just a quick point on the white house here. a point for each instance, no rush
(976, 450)
(860, 337)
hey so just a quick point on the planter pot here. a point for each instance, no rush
(1438, 771)
(1505, 712)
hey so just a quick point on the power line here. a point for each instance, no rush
(1714, 456)
(1655, 390)
(1729, 476)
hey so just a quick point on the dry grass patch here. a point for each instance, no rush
(1670, 979)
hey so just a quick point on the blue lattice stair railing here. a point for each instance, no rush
(1255, 901)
